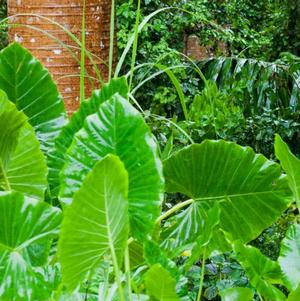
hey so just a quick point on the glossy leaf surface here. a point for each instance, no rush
(160, 285)
(119, 129)
(30, 86)
(291, 165)
(22, 164)
(289, 258)
(27, 228)
(65, 138)
(237, 294)
(249, 189)
(261, 271)
(96, 223)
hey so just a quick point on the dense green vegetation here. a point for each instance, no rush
(117, 241)
(259, 32)
(172, 182)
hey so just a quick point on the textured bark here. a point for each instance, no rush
(55, 57)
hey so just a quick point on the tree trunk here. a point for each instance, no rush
(60, 62)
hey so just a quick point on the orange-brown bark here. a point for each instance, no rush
(63, 67)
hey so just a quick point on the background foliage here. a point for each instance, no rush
(248, 106)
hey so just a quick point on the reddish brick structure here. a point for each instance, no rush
(198, 52)
(63, 66)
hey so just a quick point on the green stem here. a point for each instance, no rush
(260, 297)
(202, 276)
(112, 39)
(82, 60)
(117, 273)
(127, 272)
(173, 210)
(135, 43)
(106, 284)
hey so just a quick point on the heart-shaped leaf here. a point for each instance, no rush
(289, 258)
(261, 271)
(250, 190)
(65, 138)
(22, 164)
(96, 223)
(30, 86)
(119, 129)
(27, 227)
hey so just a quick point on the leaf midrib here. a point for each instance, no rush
(226, 196)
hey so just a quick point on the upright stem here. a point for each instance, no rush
(260, 297)
(135, 43)
(202, 276)
(127, 272)
(82, 60)
(112, 39)
(117, 273)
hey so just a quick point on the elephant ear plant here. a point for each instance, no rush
(108, 236)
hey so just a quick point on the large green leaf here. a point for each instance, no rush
(22, 164)
(96, 223)
(119, 129)
(295, 295)
(261, 271)
(250, 190)
(65, 138)
(11, 122)
(29, 85)
(237, 294)
(291, 165)
(289, 258)
(160, 284)
(27, 227)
